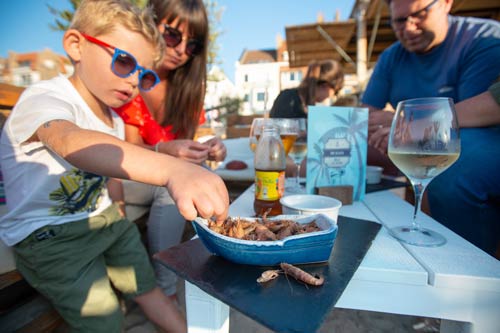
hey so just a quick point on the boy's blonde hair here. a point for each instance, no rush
(96, 17)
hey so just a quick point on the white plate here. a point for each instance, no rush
(245, 174)
(238, 149)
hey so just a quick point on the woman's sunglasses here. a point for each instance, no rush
(124, 65)
(173, 37)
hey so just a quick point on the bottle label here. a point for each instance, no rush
(269, 185)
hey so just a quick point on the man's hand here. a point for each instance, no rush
(379, 119)
(380, 139)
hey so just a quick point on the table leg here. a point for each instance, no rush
(205, 313)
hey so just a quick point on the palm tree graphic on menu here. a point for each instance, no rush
(334, 150)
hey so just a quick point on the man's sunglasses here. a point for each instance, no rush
(173, 37)
(419, 15)
(124, 64)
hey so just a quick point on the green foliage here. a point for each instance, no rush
(230, 104)
(214, 18)
(63, 17)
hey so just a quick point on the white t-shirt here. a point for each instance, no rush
(41, 187)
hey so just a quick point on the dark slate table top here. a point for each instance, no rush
(385, 184)
(283, 305)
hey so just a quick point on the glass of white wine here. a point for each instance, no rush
(297, 153)
(424, 141)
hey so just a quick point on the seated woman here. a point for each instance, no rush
(165, 119)
(323, 80)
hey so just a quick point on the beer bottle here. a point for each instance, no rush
(270, 164)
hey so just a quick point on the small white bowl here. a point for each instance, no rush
(310, 204)
(373, 174)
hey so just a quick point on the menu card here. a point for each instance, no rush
(337, 148)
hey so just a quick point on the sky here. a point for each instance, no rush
(245, 24)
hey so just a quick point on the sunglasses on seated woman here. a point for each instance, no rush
(124, 64)
(173, 37)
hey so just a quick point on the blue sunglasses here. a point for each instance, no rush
(124, 64)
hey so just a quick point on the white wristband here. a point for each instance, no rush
(157, 146)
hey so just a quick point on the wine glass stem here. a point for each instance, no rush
(297, 176)
(418, 189)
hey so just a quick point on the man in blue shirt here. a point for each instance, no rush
(441, 55)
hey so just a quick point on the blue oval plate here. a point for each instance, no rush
(298, 249)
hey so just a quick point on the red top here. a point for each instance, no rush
(136, 113)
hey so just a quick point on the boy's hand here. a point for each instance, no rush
(199, 192)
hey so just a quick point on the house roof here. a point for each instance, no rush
(34, 60)
(258, 56)
(30, 57)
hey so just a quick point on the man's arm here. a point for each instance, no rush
(482, 110)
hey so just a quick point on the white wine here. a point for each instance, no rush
(420, 165)
(298, 151)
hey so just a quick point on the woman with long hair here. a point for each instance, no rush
(323, 80)
(165, 119)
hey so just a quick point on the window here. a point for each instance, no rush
(261, 96)
(246, 78)
(296, 76)
(26, 79)
(291, 77)
(299, 76)
(25, 63)
(246, 98)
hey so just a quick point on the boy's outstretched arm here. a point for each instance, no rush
(195, 190)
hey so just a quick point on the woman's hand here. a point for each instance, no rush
(217, 150)
(188, 150)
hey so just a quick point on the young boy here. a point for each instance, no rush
(59, 146)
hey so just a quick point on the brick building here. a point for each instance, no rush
(23, 69)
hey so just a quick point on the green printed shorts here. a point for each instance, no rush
(77, 264)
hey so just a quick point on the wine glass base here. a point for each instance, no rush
(417, 236)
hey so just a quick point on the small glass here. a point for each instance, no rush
(289, 129)
(297, 153)
(255, 131)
